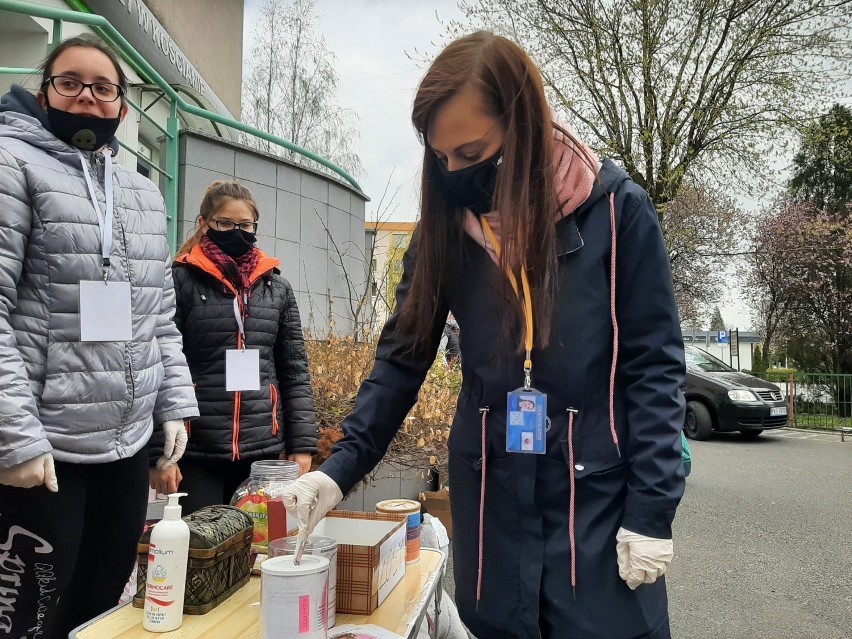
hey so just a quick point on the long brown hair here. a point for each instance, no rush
(511, 90)
(215, 196)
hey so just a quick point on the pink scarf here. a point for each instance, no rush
(573, 178)
(237, 271)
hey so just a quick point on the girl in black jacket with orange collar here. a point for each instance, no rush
(218, 266)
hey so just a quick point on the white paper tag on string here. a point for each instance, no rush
(242, 369)
(105, 311)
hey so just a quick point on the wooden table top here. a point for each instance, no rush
(237, 619)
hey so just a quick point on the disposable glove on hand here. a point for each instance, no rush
(310, 497)
(33, 472)
(642, 559)
(176, 439)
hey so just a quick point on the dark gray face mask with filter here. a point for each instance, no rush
(85, 132)
(473, 186)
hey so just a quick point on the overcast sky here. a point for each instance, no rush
(378, 80)
(370, 39)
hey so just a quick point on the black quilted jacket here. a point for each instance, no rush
(243, 425)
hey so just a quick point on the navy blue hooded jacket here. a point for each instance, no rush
(626, 470)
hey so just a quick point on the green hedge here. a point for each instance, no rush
(777, 374)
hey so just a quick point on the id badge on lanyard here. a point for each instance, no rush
(105, 306)
(242, 365)
(526, 421)
(526, 408)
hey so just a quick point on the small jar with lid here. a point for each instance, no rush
(260, 497)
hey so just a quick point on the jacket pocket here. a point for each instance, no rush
(273, 395)
(594, 456)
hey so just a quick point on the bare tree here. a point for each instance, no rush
(361, 278)
(291, 85)
(672, 89)
(703, 229)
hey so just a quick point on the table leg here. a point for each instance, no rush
(439, 593)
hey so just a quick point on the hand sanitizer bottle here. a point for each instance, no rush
(167, 555)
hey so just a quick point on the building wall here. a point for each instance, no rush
(311, 222)
(387, 241)
(210, 32)
(707, 342)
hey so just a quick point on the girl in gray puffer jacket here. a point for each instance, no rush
(90, 358)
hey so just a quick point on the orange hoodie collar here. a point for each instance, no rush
(197, 258)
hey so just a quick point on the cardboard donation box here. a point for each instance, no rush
(370, 557)
(437, 504)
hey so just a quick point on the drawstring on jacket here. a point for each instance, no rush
(572, 412)
(484, 412)
(614, 323)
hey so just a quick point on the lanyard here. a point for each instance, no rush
(105, 218)
(239, 315)
(526, 302)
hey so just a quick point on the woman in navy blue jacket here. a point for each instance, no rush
(554, 266)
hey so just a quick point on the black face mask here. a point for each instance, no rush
(234, 243)
(86, 132)
(473, 186)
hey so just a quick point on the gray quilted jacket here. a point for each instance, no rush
(87, 402)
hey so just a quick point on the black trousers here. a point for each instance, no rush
(209, 483)
(65, 557)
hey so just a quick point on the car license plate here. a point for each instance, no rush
(775, 411)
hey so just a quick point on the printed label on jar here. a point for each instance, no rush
(255, 506)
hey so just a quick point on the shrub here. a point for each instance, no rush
(338, 365)
(778, 374)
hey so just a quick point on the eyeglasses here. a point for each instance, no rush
(227, 225)
(72, 87)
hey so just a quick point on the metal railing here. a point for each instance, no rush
(177, 103)
(821, 401)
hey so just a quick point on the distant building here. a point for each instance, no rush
(706, 341)
(385, 244)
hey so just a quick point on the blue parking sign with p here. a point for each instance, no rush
(722, 337)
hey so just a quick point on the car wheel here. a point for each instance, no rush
(698, 423)
(750, 434)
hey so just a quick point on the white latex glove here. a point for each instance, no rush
(176, 439)
(642, 559)
(309, 498)
(33, 472)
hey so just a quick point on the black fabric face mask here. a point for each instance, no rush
(472, 186)
(234, 243)
(86, 132)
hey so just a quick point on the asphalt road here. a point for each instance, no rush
(763, 540)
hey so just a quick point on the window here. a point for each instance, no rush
(399, 240)
(141, 166)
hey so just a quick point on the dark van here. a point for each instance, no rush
(722, 399)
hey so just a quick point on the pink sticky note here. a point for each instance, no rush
(304, 614)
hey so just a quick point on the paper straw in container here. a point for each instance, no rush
(294, 599)
(411, 509)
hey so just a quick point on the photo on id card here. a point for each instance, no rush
(526, 421)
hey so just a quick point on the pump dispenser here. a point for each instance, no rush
(166, 579)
